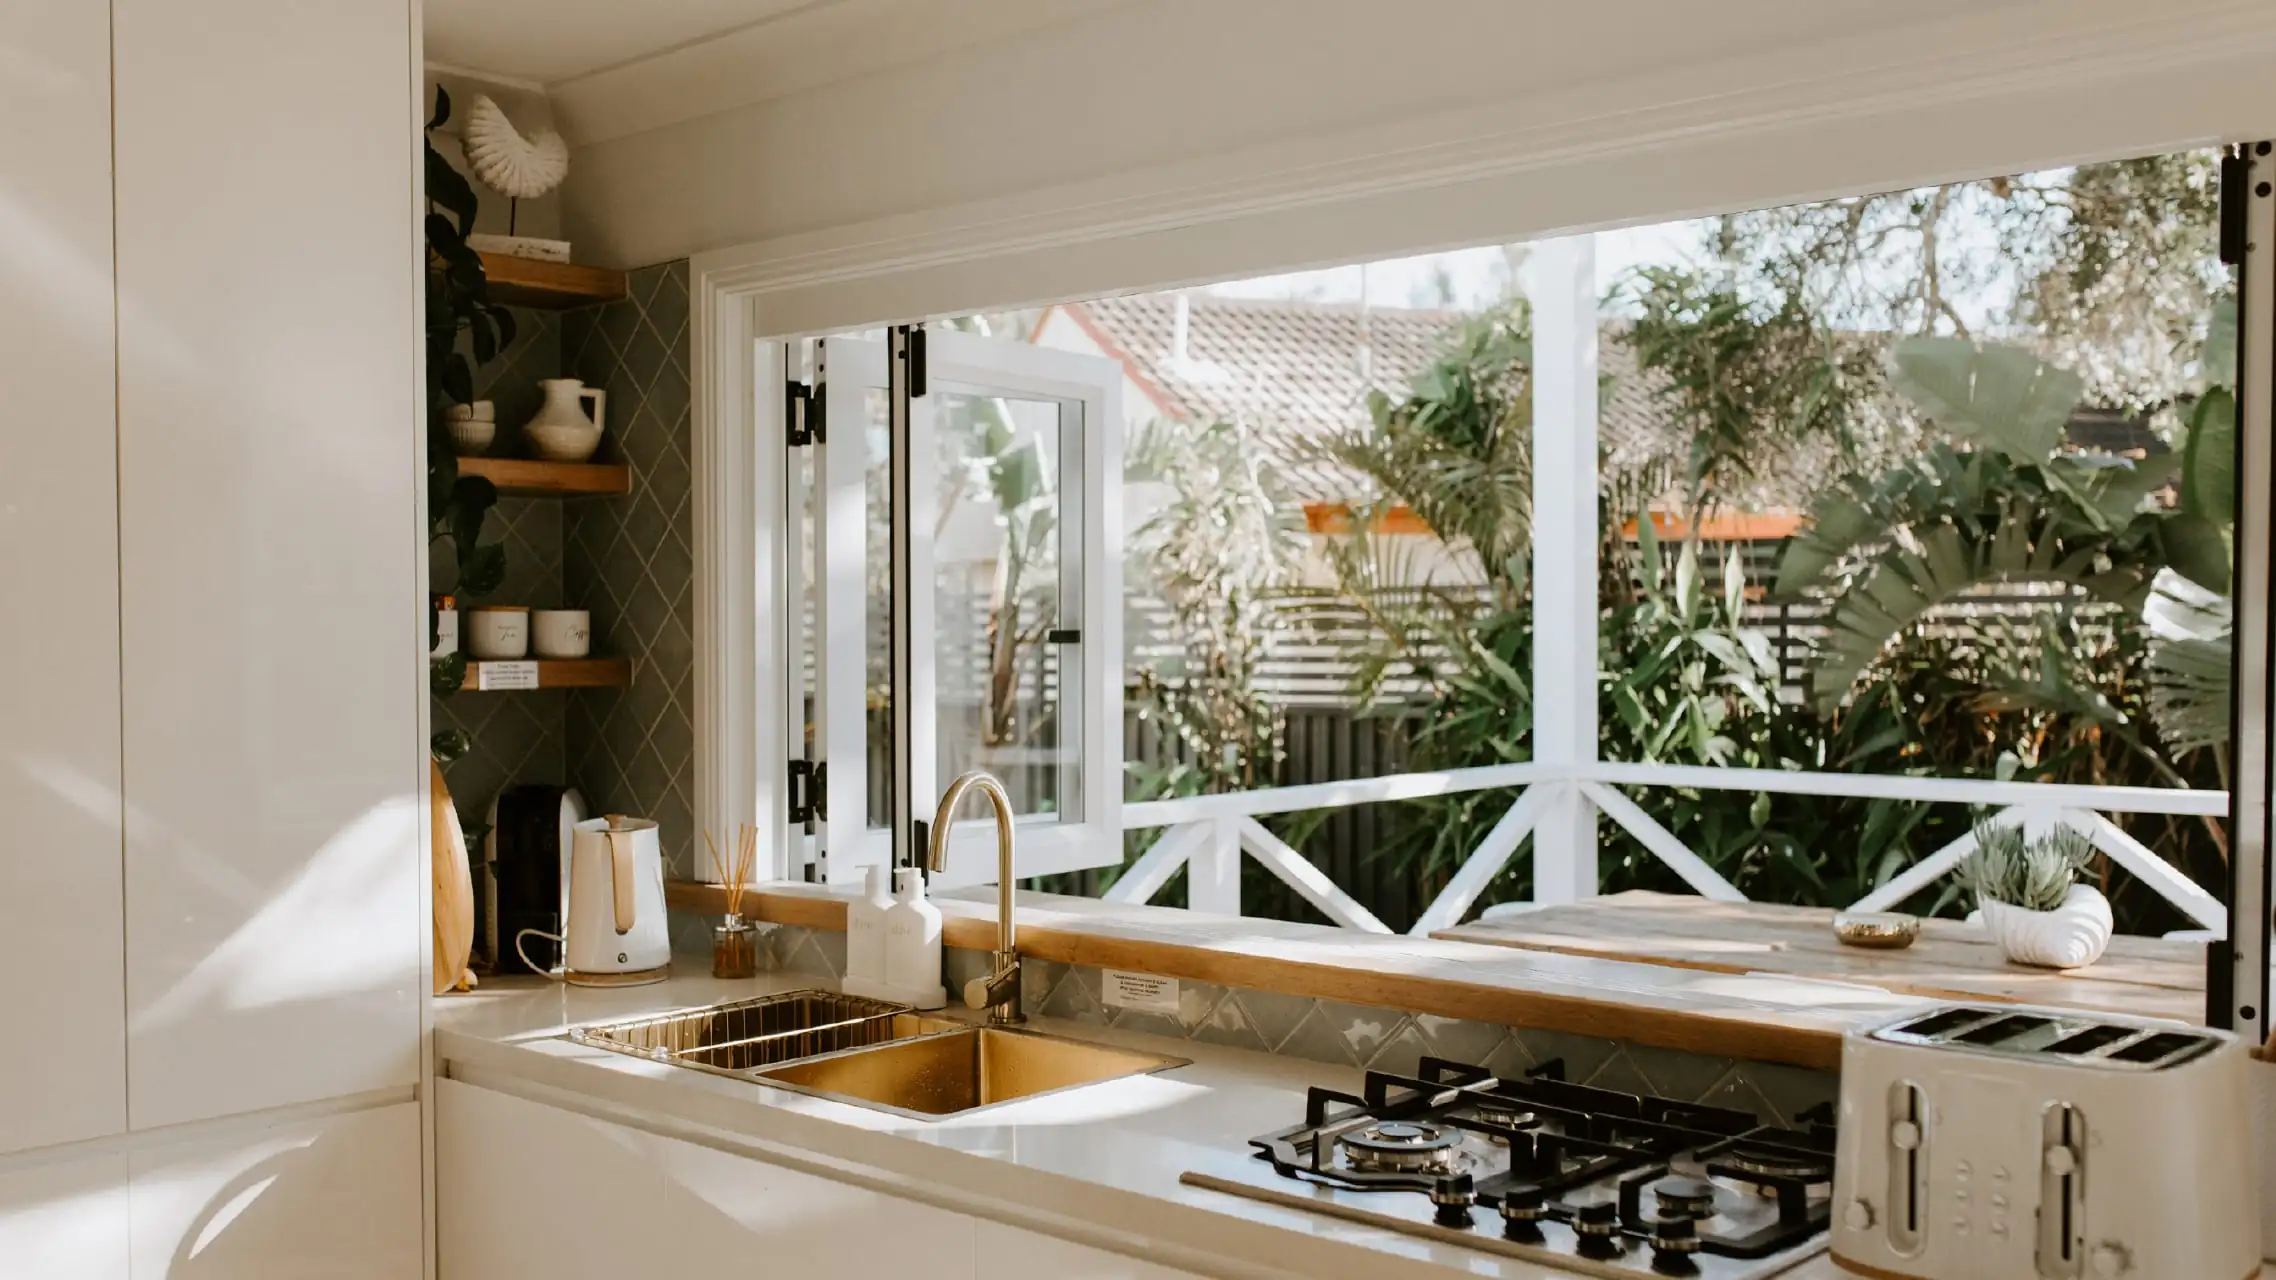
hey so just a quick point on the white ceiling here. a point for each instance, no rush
(544, 42)
(616, 67)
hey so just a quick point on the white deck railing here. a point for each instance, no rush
(1208, 835)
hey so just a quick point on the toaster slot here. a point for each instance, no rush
(2062, 1191)
(2099, 1036)
(2003, 1030)
(1938, 1025)
(2158, 1048)
(1908, 1166)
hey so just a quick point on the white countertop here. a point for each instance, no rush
(1098, 1165)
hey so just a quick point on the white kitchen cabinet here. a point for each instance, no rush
(333, 1198)
(65, 1219)
(59, 657)
(1010, 1253)
(524, 1189)
(268, 489)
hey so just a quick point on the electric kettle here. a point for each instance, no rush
(616, 934)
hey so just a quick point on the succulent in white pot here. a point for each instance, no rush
(2033, 906)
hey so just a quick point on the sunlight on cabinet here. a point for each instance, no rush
(65, 1220)
(268, 550)
(1024, 1255)
(59, 679)
(649, 1205)
(336, 1197)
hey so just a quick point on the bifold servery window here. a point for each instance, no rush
(958, 496)
(1588, 610)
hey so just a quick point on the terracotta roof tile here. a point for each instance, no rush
(1293, 369)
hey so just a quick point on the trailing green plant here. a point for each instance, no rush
(458, 307)
(2034, 873)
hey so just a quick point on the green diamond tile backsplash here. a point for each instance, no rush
(631, 561)
(517, 737)
(1355, 1036)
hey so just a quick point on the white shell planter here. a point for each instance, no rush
(2068, 937)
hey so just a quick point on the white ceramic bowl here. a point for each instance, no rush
(471, 437)
(479, 411)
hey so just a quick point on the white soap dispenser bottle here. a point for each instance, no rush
(865, 937)
(912, 943)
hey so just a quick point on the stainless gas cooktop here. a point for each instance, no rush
(1590, 1180)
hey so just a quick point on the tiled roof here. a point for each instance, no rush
(1292, 369)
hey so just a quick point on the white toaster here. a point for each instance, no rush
(2000, 1142)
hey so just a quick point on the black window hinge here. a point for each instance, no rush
(2235, 172)
(809, 791)
(1063, 635)
(913, 357)
(805, 414)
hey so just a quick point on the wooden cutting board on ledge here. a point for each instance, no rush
(454, 888)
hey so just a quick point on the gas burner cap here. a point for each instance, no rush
(1525, 1204)
(1685, 1197)
(1770, 1162)
(1597, 1218)
(1675, 1235)
(1506, 1112)
(1401, 1146)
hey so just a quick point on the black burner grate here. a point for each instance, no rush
(1563, 1152)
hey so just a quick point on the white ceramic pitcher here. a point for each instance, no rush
(616, 935)
(560, 431)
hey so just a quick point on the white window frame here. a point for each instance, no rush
(1378, 192)
(1089, 832)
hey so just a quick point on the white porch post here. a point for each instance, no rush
(1563, 292)
(1213, 871)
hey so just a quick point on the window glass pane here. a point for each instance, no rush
(1870, 552)
(1005, 547)
(803, 499)
(877, 564)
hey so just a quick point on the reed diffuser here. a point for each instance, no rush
(734, 940)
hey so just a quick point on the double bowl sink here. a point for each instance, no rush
(870, 1053)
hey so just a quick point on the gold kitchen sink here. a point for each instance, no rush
(952, 1072)
(739, 1037)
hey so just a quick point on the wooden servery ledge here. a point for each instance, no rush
(1766, 1019)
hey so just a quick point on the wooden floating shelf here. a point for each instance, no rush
(530, 478)
(562, 673)
(553, 286)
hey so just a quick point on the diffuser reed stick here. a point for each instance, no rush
(735, 941)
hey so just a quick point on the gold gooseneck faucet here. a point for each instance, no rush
(999, 991)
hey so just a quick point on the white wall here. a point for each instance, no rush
(1208, 138)
(211, 755)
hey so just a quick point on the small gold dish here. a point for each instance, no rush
(1878, 930)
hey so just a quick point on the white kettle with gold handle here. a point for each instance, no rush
(616, 933)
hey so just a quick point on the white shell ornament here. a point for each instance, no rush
(2068, 937)
(506, 162)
